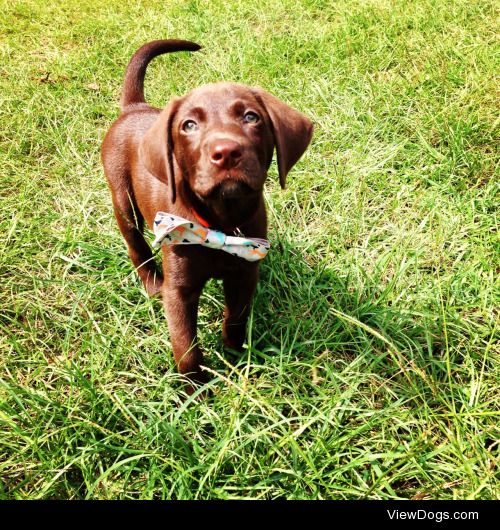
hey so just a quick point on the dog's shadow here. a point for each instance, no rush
(305, 312)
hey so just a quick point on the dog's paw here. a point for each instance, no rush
(194, 384)
(233, 337)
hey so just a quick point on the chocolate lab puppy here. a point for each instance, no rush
(205, 158)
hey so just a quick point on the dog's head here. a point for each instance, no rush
(220, 140)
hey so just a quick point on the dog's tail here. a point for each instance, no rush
(133, 86)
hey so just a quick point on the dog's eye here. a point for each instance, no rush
(251, 117)
(189, 126)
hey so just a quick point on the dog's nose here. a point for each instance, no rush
(226, 154)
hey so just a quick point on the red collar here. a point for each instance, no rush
(200, 219)
(206, 224)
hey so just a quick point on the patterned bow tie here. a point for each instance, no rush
(170, 229)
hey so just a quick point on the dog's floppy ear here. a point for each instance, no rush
(156, 149)
(292, 131)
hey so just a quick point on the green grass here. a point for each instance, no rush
(372, 362)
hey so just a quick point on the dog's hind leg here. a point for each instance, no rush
(131, 223)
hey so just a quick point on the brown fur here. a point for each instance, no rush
(154, 162)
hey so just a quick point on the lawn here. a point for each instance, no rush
(372, 363)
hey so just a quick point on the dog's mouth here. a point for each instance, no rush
(229, 203)
(230, 188)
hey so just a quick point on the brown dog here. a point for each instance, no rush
(205, 158)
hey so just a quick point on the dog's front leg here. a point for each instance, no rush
(181, 308)
(238, 291)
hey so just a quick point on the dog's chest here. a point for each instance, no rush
(205, 262)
